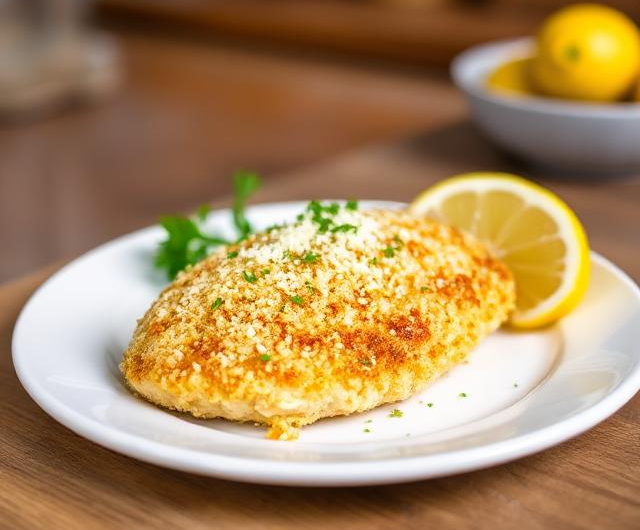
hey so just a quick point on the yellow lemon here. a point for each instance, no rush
(587, 52)
(526, 226)
(511, 77)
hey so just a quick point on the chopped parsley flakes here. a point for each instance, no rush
(396, 413)
(310, 257)
(345, 228)
(265, 357)
(249, 276)
(297, 300)
(462, 395)
(219, 301)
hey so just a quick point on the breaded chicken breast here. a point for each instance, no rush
(337, 313)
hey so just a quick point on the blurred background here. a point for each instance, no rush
(115, 111)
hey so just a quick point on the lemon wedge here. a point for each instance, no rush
(529, 228)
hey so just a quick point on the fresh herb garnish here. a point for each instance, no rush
(462, 395)
(345, 228)
(271, 228)
(232, 254)
(265, 357)
(265, 272)
(396, 413)
(310, 257)
(323, 214)
(245, 184)
(310, 286)
(424, 289)
(429, 404)
(366, 430)
(352, 205)
(390, 251)
(249, 276)
(368, 421)
(203, 211)
(373, 261)
(186, 243)
(297, 300)
(217, 304)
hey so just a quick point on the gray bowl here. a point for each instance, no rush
(592, 138)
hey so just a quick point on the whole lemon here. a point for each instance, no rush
(511, 77)
(588, 52)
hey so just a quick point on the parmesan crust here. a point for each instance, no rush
(315, 324)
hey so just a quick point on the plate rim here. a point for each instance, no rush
(278, 472)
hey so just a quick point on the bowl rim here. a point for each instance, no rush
(495, 51)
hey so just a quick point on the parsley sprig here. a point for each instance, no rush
(187, 244)
(323, 214)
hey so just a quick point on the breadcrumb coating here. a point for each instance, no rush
(304, 322)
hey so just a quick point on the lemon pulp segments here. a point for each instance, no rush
(527, 227)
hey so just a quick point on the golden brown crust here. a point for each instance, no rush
(358, 326)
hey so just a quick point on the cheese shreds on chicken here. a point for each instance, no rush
(336, 313)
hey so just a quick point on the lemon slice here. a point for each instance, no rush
(526, 226)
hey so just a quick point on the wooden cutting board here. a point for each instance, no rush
(51, 478)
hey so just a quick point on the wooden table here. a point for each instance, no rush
(52, 479)
(189, 114)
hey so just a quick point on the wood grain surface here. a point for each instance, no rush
(189, 114)
(52, 479)
(431, 33)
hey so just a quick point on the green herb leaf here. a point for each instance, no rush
(345, 228)
(203, 211)
(265, 357)
(310, 257)
(389, 252)
(249, 276)
(265, 272)
(184, 245)
(232, 254)
(271, 228)
(429, 404)
(352, 204)
(396, 413)
(424, 289)
(297, 300)
(366, 430)
(373, 261)
(217, 304)
(462, 395)
(245, 184)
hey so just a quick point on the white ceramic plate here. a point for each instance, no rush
(524, 391)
